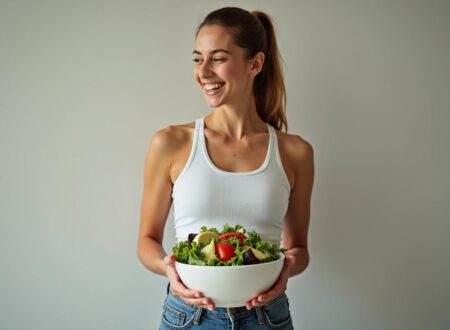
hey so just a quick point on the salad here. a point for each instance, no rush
(233, 246)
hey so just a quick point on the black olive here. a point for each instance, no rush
(249, 258)
(191, 237)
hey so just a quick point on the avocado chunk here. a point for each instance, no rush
(209, 251)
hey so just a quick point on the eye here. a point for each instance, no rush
(197, 60)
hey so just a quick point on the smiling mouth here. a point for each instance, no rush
(214, 86)
(213, 89)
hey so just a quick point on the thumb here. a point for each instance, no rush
(290, 259)
(170, 260)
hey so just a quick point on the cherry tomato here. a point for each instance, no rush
(225, 251)
(240, 236)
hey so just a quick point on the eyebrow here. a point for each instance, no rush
(214, 51)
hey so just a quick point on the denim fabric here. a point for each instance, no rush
(180, 315)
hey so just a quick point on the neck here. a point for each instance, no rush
(236, 121)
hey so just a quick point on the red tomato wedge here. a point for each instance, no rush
(225, 251)
(240, 236)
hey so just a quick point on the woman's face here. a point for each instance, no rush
(218, 60)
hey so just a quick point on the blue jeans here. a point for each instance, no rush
(180, 315)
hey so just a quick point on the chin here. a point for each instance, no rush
(214, 103)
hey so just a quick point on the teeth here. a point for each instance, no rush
(208, 87)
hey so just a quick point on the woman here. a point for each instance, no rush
(233, 163)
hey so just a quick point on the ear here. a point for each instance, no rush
(257, 63)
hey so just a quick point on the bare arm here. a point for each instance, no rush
(155, 207)
(156, 202)
(296, 222)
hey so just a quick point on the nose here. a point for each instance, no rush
(204, 69)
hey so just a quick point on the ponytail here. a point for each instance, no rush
(269, 88)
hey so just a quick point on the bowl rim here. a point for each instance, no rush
(233, 267)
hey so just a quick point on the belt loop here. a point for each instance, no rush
(197, 315)
(260, 315)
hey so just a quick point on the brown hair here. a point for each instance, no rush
(254, 32)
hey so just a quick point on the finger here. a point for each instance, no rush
(252, 303)
(267, 297)
(255, 302)
(289, 262)
(170, 259)
(202, 302)
(170, 262)
(249, 303)
(262, 299)
(186, 292)
(289, 257)
(279, 287)
(179, 289)
(273, 292)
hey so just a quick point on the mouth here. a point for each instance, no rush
(213, 88)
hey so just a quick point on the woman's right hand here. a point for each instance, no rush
(192, 297)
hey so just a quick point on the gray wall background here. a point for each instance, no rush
(85, 84)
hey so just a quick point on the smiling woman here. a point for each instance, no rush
(234, 165)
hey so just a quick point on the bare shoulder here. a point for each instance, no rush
(168, 148)
(172, 138)
(295, 146)
(296, 153)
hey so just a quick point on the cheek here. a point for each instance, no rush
(236, 76)
(229, 72)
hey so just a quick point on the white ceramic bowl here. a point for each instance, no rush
(230, 286)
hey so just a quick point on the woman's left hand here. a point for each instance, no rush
(279, 287)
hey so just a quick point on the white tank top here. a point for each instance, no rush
(205, 195)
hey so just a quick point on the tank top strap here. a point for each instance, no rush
(197, 127)
(272, 142)
(196, 139)
(275, 158)
(193, 154)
